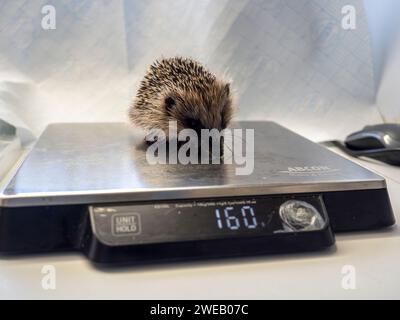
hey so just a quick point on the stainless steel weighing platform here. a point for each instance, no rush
(88, 186)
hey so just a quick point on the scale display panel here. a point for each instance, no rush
(206, 219)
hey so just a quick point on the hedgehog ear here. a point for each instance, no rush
(169, 103)
(227, 89)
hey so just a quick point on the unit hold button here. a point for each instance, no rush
(125, 224)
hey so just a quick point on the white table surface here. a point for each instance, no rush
(374, 255)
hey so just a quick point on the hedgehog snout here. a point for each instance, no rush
(195, 125)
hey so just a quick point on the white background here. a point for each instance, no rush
(289, 60)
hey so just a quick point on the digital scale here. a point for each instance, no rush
(89, 187)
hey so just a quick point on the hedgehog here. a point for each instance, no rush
(182, 90)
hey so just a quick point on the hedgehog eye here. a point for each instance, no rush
(169, 103)
(227, 89)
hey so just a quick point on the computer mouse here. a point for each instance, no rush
(375, 137)
(381, 142)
